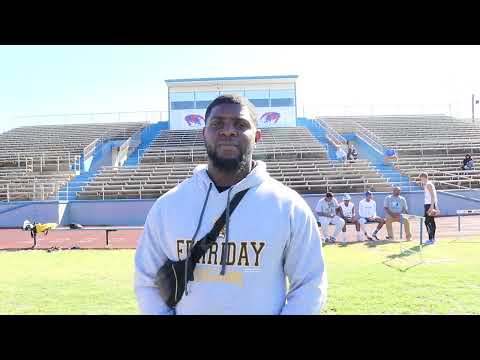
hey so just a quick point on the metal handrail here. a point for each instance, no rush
(370, 133)
(369, 137)
(331, 133)
(90, 148)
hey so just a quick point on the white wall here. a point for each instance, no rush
(287, 118)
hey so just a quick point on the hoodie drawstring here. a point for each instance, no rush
(226, 248)
(195, 236)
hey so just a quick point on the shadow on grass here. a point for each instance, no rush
(404, 255)
(343, 244)
(386, 242)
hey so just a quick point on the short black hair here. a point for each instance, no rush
(232, 99)
(329, 195)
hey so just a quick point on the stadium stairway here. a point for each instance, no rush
(319, 133)
(148, 135)
(392, 175)
(67, 193)
(365, 151)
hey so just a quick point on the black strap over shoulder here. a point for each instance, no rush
(173, 276)
(201, 247)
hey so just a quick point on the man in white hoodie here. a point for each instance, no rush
(271, 236)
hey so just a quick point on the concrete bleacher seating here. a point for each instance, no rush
(293, 157)
(35, 161)
(276, 143)
(436, 144)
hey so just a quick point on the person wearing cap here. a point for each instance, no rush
(347, 213)
(367, 211)
(394, 206)
(326, 210)
(389, 155)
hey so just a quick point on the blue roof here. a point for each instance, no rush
(234, 78)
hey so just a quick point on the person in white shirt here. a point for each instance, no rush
(326, 210)
(341, 154)
(347, 213)
(431, 207)
(367, 211)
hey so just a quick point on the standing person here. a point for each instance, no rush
(347, 213)
(271, 236)
(395, 205)
(326, 210)
(431, 207)
(367, 211)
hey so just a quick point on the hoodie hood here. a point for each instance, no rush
(257, 176)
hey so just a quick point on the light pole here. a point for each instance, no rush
(474, 102)
(473, 108)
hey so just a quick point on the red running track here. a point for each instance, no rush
(128, 239)
(85, 239)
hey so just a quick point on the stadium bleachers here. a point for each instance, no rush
(436, 144)
(36, 161)
(293, 156)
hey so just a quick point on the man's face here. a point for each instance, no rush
(423, 180)
(328, 199)
(396, 191)
(346, 202)
(369, 197)
(230, 136)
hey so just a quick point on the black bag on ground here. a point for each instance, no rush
(170, 278)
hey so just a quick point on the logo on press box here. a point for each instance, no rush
(194, 120)
(270, 118)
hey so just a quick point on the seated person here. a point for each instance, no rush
(468, 163)
(341, 154)
(352, 153)
(347, 213)
(389, 155)
(326, 210)
(395, 205)
(367, 211)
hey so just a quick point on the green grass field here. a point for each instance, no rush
(100, 282)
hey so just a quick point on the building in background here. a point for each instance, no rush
(273, 96)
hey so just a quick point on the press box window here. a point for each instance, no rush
(182, 100)
(204, 98)
(259, 98)
(280, 98)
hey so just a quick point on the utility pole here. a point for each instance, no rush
(473, 108)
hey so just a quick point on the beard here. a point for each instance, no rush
(228, 164)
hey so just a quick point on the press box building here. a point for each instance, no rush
(273, 96)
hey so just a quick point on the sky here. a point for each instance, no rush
(341, 80)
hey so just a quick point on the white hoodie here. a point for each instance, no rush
(273, 234)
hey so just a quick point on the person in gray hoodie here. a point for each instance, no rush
(271, 237)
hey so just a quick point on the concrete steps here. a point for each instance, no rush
(148, 135)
